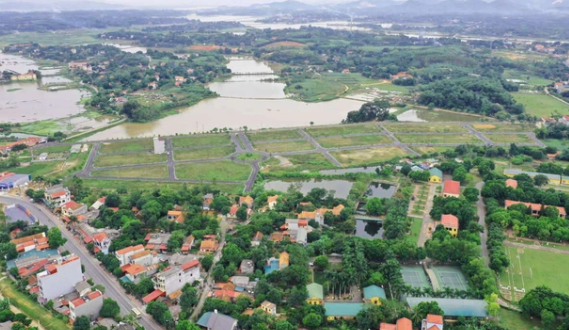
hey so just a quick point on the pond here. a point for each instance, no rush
(369, 229)
(370, 170)
(249, 98)
(380, 190)
(341, 187)
(128, 48)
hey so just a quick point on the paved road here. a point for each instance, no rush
(171, 164)
(478, 134)
(535, 247)
(427, 221)
(319, 148)
(92, 268)
(482, 221)
(396, 141)
(255, 164)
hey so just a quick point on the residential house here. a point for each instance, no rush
(247, 201)
(535, 208)
(79, 66)
(247, 267)
(432, 322)
(188, 244)
(209, 244)
(30, 76)
(73, 208)
(401, 75)
(315, 294)
(297, 230)
(256, 241)
(153, 85)
(88, 305)
(31, 268)
(564, 120)
(451, 189)
(157, 241)
(98, 203)
(436, 175)
(374, 294)
(217, 321)
(57, 195)
(450, 222)
(177, 216)
(512, 183)
(342, 310)
(243, 283)
(60, 277)
(318, 215)
(269, 308)
(174, 278)
(562, 87)
(144, 258)
(33, 242)
(207, 200)
(124, 254)
(401, 324)
(272, 201)
(283, 260)
(101, 242)
(134, 272)
(82, 288)
(272, 266)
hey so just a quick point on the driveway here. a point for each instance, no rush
(481, 208)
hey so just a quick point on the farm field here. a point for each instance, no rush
(531, 268)
(147, 172)
(285, 44)
(273, 135)
(500, 127)
(133, 159)
(343, 130)
(367, 156)
(220, 171)
(126, 146)
(419, 128)
(303, 162)
(430, 150)
(509, 138)
(284, 146)
(198, 141)
(435, 138)
(541, 105)
(328, 86)
(203, 153)
(533, 80)
(99, 184)
(344, 141)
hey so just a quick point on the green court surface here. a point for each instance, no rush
(415, 276)
(451, 277)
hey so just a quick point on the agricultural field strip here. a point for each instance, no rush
(206, 160)
(162, 180)
(203, 147)
(277, 141)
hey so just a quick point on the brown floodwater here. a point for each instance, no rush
(246, 99)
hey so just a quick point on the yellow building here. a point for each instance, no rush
(374, 294)
(315, 294)
(436, 175)
(450, 222)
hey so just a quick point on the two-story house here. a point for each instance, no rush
(73, 208)
(57, 195)
(88, 305)
(174, 278)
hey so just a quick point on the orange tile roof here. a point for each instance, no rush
(451, 187)
(153, 296)
(42, 247)
(140, 254)
(174, 212)
(272, 199)
(387, 326)
(283, 258)
(449, 220)
(77, 302)
(191, 264)
(94, 295)
(42, 240)
(73, 205)
(100, 237)
(135, 269)
(58, 194)
(247, 199)
(512, 183)
(150, 246)
(208, 245)
(404, 324)
(432, 318)
(130, 249)
(21, 240)
(302, 223)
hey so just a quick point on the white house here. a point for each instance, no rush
(174, 279)
(59, 278)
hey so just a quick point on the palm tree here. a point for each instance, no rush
(447, 292)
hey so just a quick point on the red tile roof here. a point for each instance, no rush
(452, 187)
(94, 295)
(58, 194)
(100, 237)
(387, 326)
(512, 183)
(404, 324)
(77, 302)
(72, 205)
(163, 247)
(153, 296)
(449, 220)
(130, 249)
(535, 207)
(432, 318)
(28, 270)
(191, 264)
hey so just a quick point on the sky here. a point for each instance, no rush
(210, 3)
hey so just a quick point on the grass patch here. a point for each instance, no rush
(343, 130)
(420, 128)
(126, 146)
(54, 149)
(541, 104)
(220, 171)
(391, 87)
(344, 141)
(500, 127)
(532, 268)
(284, 146)
(249, 156)
(194, 141)
(435, 138)
(416, 224)
(270, 162)
(328, 86)
(31, 308)
(13, 89)
(369, 156)
(528, 78)
(430, 150)
(148, 172)
(98, 184)
(273, 135)
(509, 138)
(514, 320)
(133, 159)
(203, 153)
(559, 144)
(298, 163)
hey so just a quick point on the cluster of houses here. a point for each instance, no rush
(29, 142)
(562, 87)
(564, 120)
(555, 179)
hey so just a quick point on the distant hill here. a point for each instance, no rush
(41, 5)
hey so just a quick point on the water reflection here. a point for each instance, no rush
(369, 229)
(380, 190)
(341, 188)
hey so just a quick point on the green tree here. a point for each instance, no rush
(459, 174)
(186, 325)
(207, 261)
(284, 325)
(176, 240)
(8, 251)
(471, 194)
(312, 320)
(321, 262)
(55, 238)
(242, 213)
(374, 206)
(547, 318)
(540, 180)
(82, 323)
(188, 299)
(110, 308)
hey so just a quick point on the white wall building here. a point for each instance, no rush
(175, 278)
(159, 145)
(60, 278)
(124, 254)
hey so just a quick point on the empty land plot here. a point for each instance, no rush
(203, 153)
(279, 44)
(284, 146)
(203, 140)
(343, 130)
(148, 172)
(303, 162)
(133, 159)
(220, 171)
(345, 141)
(438, 138)
(367, 156)
(531, 268)
(55, 149)
(509, 138)
(424, 128)
(541, 105)
(499, 127)
(273, 135)
(430, 150)
(125, 146)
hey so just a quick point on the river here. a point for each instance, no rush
(246, 99)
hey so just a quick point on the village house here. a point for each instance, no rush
(176, 216)
(256, 241)
(401, 324)
(450, 222)
(535, 208)
(57, 195)
(269, 308)
(272, 201)
(157, 241)
(216, 321)
(315, 294)
(124, 254)
(134, 272)
(101, 242)
(552, 178)
(73, 66)
(436, 175)
(373, 294)
(59, 278)
(72, 208)
(432, 322)
(88, 305)
(36, 242)
(247, 201)
(209, 244)
(512, 183)
(30, 76)
(401, 75)
(153, 85)
(98, 203)
(247, 267)
(188, 244)
(451, 189)
(175, 277)
(144, 258)
(318, 215)
(342, 310)
(562, 87)
(207, 200)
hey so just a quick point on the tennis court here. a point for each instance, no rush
(451, 277)
(415, 276)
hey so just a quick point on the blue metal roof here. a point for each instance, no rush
(455, 307)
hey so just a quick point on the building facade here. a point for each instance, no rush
(60, 278)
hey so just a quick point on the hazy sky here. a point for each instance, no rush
(209, 3)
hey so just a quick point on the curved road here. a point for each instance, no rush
(92, 268)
